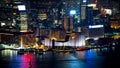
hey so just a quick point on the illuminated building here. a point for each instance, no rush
(77, 41)
(70, 15)
(43, 10)
(9, 12)
(6, 12)
(96, 31)
(14, 21)
(74, 6)
(6, 21)
(70, 5)
(68, 24)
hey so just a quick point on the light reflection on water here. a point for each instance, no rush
(28, 60)
(93, 60)
(8, 53)
(15, 60)
(82, 59)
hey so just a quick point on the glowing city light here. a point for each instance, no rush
(2, 24)
(92, 5)
(84, 1)
(72, 12)
(96, 26)
(21, 7)
(108, 11)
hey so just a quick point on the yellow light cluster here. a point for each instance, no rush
(115, 25)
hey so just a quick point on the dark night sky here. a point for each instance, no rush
(44, 0)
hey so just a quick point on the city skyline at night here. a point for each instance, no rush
(59, 33)
(45, 16)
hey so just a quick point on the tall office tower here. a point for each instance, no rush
(104, 3)
(6, 21)
(10, 15)
(96, 31)
(92, 1)
(113, 5)
(43, 10)
(6, 12)
(20, 14)
(69, 5)
(68, 24)
(72, 8)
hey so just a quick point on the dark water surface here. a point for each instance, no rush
(94, 58)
